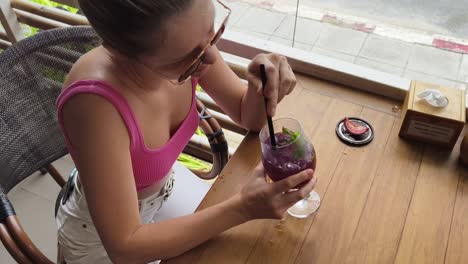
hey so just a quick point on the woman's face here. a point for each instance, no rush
(183, 39)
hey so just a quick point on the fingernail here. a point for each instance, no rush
(310, 172)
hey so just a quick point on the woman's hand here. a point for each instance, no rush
(280, 78)
(260, 199)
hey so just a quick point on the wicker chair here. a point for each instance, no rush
(32, 73)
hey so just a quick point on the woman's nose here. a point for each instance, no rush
(210, 56)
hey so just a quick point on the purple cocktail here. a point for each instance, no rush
(292, 154)
(288, 158)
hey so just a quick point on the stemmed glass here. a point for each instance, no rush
(293, 153)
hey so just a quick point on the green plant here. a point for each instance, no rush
(29, 31)
(54, 4)
(193, 163)
(53, 74)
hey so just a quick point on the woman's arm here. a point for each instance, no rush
(101, 142)
(244, 103)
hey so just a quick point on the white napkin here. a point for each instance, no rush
(433, 97)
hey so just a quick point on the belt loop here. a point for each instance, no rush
(169, 186)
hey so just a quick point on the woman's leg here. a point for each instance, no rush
(78, 239)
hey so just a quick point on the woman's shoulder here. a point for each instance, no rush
(91, 68)
(94, 65)
(93, 111)
(96, 111)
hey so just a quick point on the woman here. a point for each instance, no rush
(127, 111)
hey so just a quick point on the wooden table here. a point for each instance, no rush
(391, 201)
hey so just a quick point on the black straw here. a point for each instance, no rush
(269, 120)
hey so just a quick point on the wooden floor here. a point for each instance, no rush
(392, 201)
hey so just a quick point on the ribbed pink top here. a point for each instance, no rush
(149, 165)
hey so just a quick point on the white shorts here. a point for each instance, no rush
(78, 239)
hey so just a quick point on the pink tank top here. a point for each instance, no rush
(149, 165)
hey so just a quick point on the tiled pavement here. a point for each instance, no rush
(34, 201)
(397, 57)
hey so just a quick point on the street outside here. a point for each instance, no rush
(409, 38)
(447, 17)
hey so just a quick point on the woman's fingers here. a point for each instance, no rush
(280, 78)
(272, 74)
(292, 181)
(284, 82)
(254, 82)
(287, 79)
(293, 197)
(271, 87)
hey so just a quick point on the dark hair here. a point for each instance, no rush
(125, 25)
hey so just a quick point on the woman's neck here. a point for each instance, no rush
(134, 74)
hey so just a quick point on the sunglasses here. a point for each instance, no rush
(198, 60)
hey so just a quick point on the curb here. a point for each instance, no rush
(400, 33)
(366, 25)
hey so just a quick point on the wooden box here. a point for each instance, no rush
(439, 126)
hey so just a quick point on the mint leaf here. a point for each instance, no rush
(295, 135)
(291, 133)
(299, 152)
(287, 131)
